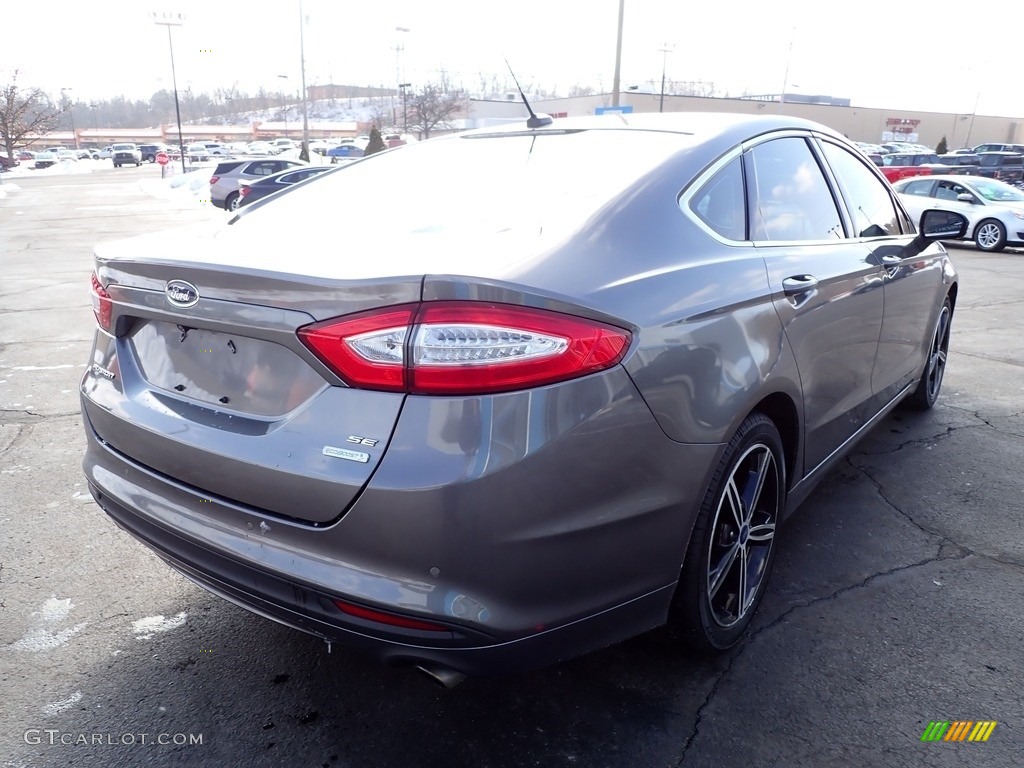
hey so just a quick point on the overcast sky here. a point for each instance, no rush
(869, 51)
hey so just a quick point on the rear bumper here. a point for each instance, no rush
(306, 609)
(525, 560)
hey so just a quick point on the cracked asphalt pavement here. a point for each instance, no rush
(896, 598)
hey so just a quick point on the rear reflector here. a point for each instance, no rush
(463, 347)
(101, 304)
(388, 618)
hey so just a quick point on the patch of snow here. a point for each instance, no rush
(40, 636)
(56, 707)
(145, 628)
(192, 187)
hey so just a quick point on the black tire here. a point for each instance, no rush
(930, 383)
(727, 565)
(151, 159)
(231, 202)
(117, 165)
(990, 236)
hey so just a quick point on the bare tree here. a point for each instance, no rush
(25, 112)
(382, 114)
(432, 107)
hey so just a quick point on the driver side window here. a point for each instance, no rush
(868, 198)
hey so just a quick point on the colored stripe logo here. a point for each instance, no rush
(959, 730)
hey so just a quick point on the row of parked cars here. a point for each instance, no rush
(1003, 162)
(981, 183)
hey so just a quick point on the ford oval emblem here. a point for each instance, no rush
(182, 294)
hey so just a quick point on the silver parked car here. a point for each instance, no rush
(994, 209)
(224, 182)
(557, 385)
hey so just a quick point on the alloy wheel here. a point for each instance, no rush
(937, 355)
(743, 533)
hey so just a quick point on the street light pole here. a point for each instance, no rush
(169, 19)
(304, 153)
(284, 108)
(403, 87)
(70, 106)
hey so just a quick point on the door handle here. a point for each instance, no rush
(798, 284)
(891, 261)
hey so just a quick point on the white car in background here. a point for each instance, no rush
(216, 149)
(261, 148)
(994, 209)
(197, 153)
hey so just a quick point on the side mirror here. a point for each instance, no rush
(965, 198)
(942, 225)
(935, 225)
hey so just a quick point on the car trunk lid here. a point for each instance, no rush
(216, 390)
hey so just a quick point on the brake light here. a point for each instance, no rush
(101, 304)
(462, 347)
(214, 180)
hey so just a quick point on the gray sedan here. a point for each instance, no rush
(994, 209)
(557, 384)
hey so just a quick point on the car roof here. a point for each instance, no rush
(699, 124)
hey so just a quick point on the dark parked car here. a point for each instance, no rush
(7, 163)
(960, 163)
(531, 404)
(1003, 166)
(150, 151)
(251, 190)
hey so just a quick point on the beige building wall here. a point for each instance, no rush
(857, 123)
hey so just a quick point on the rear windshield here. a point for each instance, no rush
(527, 183)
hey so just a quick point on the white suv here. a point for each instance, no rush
(126, 154)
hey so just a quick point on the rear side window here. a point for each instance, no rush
(720, 202)
(872, 207)
(1012, 161)
(223, 168)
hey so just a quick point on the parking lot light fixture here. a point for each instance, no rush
(173, 19)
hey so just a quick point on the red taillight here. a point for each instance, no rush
(388, 618)
(462, 347)
(214, 180)
(244, 191)
(101, 304)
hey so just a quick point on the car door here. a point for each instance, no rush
(827, 288)
(912, 283)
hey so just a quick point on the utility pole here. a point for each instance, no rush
(618, 56)
(666, 49)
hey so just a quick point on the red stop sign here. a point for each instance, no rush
(162, 158)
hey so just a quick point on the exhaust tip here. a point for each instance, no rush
(446, 678)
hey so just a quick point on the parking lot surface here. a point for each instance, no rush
(896, 601)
